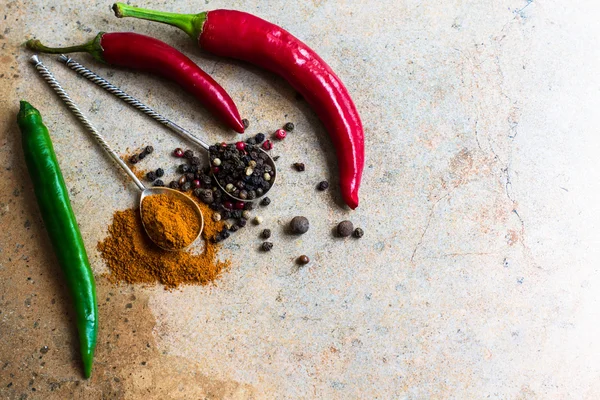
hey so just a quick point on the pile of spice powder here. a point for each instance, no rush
(133, 258)
(172, 223)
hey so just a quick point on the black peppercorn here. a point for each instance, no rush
(323, 185)
(299, 166)
(188, 154)
(183, 168)
(174, 185)
(159, 172)
(242, 222)
(206, 195)
(195, 161)
(142, 155)
(265, 202)
(265, 234)
(151, 176)
(299, 225)
(234, 228)
(159, 183)
(266, 246)
(186, 186)
(249, 206)
(260, 137)
(246, 123)
(134, 159)
(149, 150)
(251, 141)
(358, 233)
(225, 234)
(289, 127)
(303, 260)
(276, 158)
(345, 228)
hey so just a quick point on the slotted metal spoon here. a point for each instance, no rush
(145, 192)
(135, 103)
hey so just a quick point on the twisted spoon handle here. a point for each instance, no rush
(51, 80)
(132, 101)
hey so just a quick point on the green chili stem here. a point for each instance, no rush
(92, 47)
(189, 23)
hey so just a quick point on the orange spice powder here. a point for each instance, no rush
(133, 258)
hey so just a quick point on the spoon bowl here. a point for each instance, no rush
(179, 196)
(270, 162)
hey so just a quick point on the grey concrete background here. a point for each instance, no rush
(478, 273)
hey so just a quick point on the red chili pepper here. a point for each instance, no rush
(246, 37)
(132, 50)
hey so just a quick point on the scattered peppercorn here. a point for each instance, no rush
(148, 149)
(276, 158)
(323, 185)
(195, 161)
(159, 172)
(260, 137)
(251, 141)
(299, 166)
(265, 234)
(240, 146)
(142, 155)
(196, 183)
(216, 217)
(267, 145)
(246, 123)
(303, 260)
(183, 168)
(159, 183)
(206, 195)
(358, 233)
(174, 185)
(299, 225)
(188, 154)
(186, 186)
(280, 134)
(151, 176)
(345, 228)
(289, 127)
(266, 246)
(178, 152)
(134, 159)
(265, 202)
(258, 220)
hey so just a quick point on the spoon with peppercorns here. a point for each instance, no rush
(182, 201)
(243, 170)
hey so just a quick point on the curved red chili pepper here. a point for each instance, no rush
(246, 37)
(132, 50)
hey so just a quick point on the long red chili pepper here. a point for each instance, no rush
(132, 50)
(246, 37)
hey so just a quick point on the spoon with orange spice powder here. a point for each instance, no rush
(171, 219)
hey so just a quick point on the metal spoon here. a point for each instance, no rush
(109, 87)
(48, 77)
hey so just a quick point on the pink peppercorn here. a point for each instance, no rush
(215, 170)
(239, 205)
(280, 134)
(240, 146)
(267, 145)
(196, 183)
(178, 152)
(228, 205)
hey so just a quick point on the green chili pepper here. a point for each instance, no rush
(53, 200)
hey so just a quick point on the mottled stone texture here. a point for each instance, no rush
(477, 276)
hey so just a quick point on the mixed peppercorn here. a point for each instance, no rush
(238, 174)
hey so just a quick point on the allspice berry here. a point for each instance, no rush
(345, 228)
(303, 260)
(299, 225)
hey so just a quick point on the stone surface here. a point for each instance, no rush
(476, 278)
